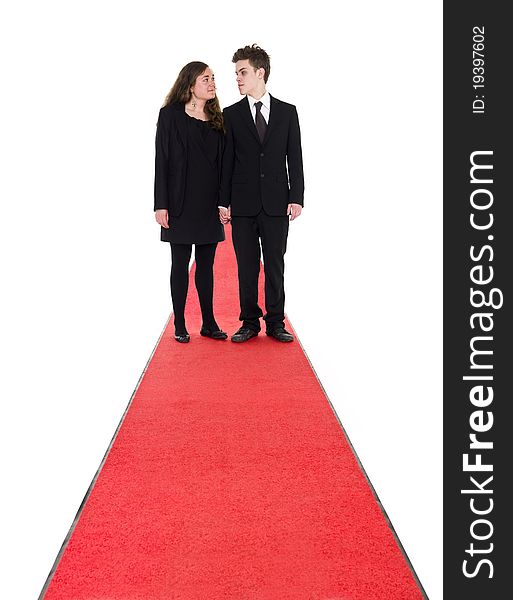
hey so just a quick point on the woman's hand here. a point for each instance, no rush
(162, 217)
(225, 214)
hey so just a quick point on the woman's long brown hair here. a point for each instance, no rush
(181, 92)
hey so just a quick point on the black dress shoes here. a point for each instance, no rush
(183, 338)
(216, 334)
(280, 334)
(243, 335)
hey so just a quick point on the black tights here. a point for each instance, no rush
(204, 279)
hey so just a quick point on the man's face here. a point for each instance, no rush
(249, 79)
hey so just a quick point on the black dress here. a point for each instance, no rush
(199, 222)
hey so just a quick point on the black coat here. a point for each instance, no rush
(171, 158)
(187, 177)
(255, 174)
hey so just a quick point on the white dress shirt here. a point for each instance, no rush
(265, 109)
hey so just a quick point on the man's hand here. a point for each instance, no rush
(162, 217)
(225, 214)
(294, 210)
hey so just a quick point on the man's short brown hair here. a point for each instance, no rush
(258, 58)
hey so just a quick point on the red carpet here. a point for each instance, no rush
(230, 478)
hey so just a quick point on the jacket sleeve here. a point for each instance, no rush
(227, 165)
(295, 161)
(161, 163)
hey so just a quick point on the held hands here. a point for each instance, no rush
(162, 217)
(225, 214)
(294, 210)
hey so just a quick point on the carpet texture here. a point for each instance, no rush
(230, 478)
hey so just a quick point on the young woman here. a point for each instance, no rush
(189, 145)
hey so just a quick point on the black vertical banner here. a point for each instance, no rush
(478, 269)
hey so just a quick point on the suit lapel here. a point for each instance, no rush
(275, 106)
(243, 106)
(247, 117)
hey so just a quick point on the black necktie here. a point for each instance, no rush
(260, 123)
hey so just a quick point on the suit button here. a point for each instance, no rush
(261, 153)
(261, 174)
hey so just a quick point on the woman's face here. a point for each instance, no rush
(204, 88)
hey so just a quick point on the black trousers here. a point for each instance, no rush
(204, 280)
(247, 234)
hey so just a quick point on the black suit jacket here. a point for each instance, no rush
(255, 174)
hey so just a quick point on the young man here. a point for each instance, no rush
(262, 189)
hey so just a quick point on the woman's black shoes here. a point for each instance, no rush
(215, 335)
(183, 338)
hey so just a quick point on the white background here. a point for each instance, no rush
(85, 277)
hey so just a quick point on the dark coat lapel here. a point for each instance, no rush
(181, 123)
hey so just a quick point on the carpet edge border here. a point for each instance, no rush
(367, 478)
(100, 467)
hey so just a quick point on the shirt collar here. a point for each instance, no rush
(265, 100)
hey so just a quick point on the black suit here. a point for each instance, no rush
(258, 181)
